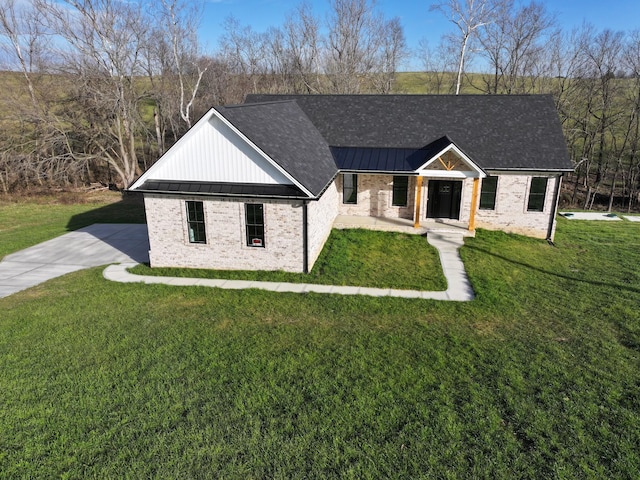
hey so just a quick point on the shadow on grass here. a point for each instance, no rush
(552, 273)
(130, 240)
(125, 211)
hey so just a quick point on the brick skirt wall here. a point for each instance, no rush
(375, 195)
(226, 247)
(510, 213)
(321, 215)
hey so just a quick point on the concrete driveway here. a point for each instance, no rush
(92, 246)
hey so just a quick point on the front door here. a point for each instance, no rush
(443, 200)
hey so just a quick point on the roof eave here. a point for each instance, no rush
(525, 170)
(378, 172)
(224, 195)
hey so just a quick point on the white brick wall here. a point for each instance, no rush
(321, 215)
(375, 198)
(510, 214)
(226, 247)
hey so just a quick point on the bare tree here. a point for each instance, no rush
(21, 41)
(360, 52)
(631, 175)
(439, 65)
(351, 44)
(100, 47)
(172, 62)
(514, 44)
(469, 16)
(179, 22)
(392, 52)
(302, 33)
(361, 44)
(246, 52)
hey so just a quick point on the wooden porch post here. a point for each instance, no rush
(474, 205)
(416, 220)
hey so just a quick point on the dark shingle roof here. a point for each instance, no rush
(283, 131)
(222, 189)
(495, 131)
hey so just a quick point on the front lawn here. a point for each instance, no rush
(539, 377)
(356, 257)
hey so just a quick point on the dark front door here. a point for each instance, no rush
(443, 200)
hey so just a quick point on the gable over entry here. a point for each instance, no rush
(450, 162)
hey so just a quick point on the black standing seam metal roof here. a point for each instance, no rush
(222, 189)
(388, 159)
(509, 132)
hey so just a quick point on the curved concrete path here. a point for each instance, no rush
(459, 289)
(92, 246)
(128, 245)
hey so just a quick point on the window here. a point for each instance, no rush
(488, 193)
(537, 193)
(350, 188)
(195, 222)
(254, 218)
(400, 189)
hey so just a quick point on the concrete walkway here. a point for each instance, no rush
(459, 288)
(128, 245)
(92, 246)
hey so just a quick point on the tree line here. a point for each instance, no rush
(99, 89)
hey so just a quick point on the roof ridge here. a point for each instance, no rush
(383, 95)
(254, 104)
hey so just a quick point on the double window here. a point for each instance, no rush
(488, 193)
(195, 222)
(537, 192)
(254, 219)
(350, 188)
(400, 189)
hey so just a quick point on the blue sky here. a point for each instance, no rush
(418, 22)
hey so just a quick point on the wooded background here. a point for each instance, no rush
(95, 91)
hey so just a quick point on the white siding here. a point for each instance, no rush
(215, 153)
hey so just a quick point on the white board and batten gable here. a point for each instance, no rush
(451, 162)
(213, 150)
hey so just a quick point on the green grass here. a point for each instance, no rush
(27, 223)
(350, 257)
(537, 378)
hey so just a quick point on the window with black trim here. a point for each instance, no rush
(195, 222)
(349, 188)
(488, 193)
(537, 192)
(400, 191)
(254, 219)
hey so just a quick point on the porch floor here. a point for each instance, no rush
(402, 225)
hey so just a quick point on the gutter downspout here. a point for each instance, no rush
(305, 237)
(554, 209)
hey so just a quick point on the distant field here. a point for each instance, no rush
(539, 377)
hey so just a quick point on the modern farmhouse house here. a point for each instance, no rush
(259, 185)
